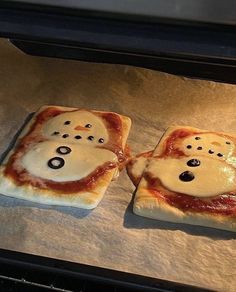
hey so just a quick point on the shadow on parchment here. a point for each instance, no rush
(134, 221)
(13, 231)
(9, 202)
(14, 139)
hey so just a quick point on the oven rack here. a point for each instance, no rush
(25, 272)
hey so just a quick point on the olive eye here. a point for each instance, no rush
(227, 143)
(88, 126)
(67, 123)
(197, 138)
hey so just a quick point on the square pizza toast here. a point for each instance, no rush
(66, 156)
(190, 178)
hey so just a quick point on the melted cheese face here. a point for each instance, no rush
(139, 166)
(210, 145)
(62, 162)
(208, 177)
(80, 127)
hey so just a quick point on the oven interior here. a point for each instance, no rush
(188, 47)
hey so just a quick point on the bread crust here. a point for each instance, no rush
(156, 207)
(87, 199)
(146, 205)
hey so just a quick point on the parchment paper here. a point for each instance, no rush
(111, 236)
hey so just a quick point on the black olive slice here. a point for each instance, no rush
(65, 136)
(63, 150)
(220, 155)
(193, 162)
(78, 137)
(91, 138)
(101, 140)
(189, 146)
(55, 133)
(227, 142)
(197, 138)
(211, 151)
(199, 148)
(186, 176)
(56, 162)
(88, 126)
(67, 122)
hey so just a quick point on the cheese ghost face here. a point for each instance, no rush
(80, 127)
(207, 168)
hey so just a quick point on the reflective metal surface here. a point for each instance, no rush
(209, 11)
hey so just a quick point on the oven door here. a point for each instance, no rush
(186, 38)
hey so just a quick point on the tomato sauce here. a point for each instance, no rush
(113, 124)
(223, 204)
(21, 176)
(84, 184)
(170, 148)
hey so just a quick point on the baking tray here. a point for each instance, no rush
(176, 41)
(27, 271)
(111, 237)
(35, 272)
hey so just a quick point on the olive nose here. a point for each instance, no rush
(80, 128)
